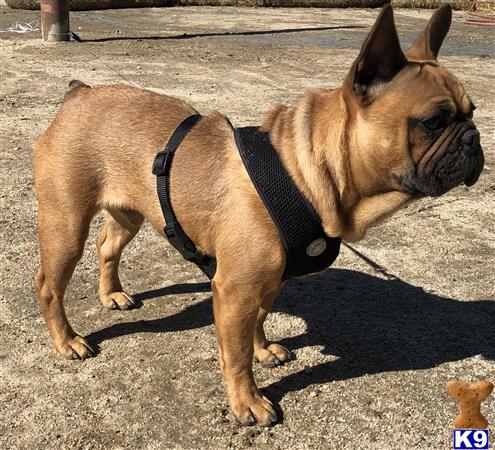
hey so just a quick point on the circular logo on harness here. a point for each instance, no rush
(317, 247)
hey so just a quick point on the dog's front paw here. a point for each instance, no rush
(75, 347)
(117, 300)
(254, 409)
(273, 355)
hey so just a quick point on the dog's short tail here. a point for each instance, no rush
(74, 85)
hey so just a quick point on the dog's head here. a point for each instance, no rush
(411, 119)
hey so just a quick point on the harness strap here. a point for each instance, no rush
(174, 232)
(307, 246)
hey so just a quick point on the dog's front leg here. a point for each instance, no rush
(236, 307)
(267, 353)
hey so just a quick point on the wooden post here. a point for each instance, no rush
(55, 20)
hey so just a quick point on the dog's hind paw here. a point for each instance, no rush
(273, 355)
(117, 300)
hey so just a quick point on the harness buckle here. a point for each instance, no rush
(162, 163)
(182, 244)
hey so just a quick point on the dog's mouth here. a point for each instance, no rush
(455, 158)
(475, 173)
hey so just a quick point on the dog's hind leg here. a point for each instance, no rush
(62, 231)
(119, 229)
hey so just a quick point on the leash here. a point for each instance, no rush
(76, 38)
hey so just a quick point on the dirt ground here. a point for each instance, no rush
(376, 337)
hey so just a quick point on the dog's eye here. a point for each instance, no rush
(434, 123)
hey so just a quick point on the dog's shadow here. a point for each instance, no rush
(372, 325)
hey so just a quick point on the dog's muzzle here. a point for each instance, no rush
(456, 157)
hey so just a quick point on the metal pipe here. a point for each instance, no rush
(55, 25)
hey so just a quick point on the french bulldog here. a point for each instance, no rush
(399, 128)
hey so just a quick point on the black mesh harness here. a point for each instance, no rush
(308, 249)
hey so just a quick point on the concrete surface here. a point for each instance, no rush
(374, 352)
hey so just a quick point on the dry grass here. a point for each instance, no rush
(80, 5)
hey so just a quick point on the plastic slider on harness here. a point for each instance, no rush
(162, 164)
(186, 247)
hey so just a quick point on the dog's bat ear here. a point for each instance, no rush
(427, 45)
(381, 57)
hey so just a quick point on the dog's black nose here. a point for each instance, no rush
(470, 137)
(471, 142)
